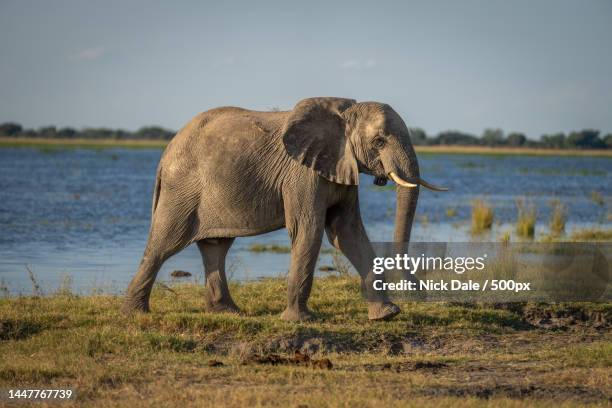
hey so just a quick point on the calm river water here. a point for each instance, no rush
(82, 215)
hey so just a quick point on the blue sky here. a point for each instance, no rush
(531, 66)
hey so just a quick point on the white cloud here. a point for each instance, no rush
(359, 64)
(88, 53)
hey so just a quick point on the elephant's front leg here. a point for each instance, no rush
(306, 234)
(346, 232)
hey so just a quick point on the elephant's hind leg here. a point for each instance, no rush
(171, 231)
(218, 298)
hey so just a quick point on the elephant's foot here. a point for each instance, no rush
(382, 311)
(131, 306)
(226, 306)
(294, 314)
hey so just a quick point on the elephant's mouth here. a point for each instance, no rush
(415, 182)
(380, 181)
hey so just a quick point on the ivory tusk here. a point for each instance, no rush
(401, 182)
(431, 186)
(420, 181)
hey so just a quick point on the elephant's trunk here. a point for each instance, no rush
(403, 169)
(407, 195)
(404, 212)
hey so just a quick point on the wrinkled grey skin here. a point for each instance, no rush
(233, 172)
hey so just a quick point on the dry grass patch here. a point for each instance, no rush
(592, 234)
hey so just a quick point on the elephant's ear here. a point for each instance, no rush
(314, 135)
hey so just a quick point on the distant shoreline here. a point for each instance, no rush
(76, 143)
(504, 150)
(437, 149)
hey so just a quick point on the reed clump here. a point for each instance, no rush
(505, 238)
(527, 215)
(597, 198)
(558, 218)
(482, 216)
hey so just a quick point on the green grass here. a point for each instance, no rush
(432, 354)
(482, 217)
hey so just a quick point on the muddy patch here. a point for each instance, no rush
(405, 366)
(315, 342)
(215, 363)
(298, 359)
(339, 342)
(566, 318)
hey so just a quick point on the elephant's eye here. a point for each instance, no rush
(378, 143)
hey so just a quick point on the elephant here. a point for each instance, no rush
(232, 172)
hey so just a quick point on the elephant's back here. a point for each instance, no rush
(227, 146)
(227, 132)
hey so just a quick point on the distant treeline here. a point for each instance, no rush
(51, 132)
(583, 139)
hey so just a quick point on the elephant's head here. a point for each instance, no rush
(338, 138)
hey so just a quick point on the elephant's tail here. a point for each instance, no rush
(156, 189)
